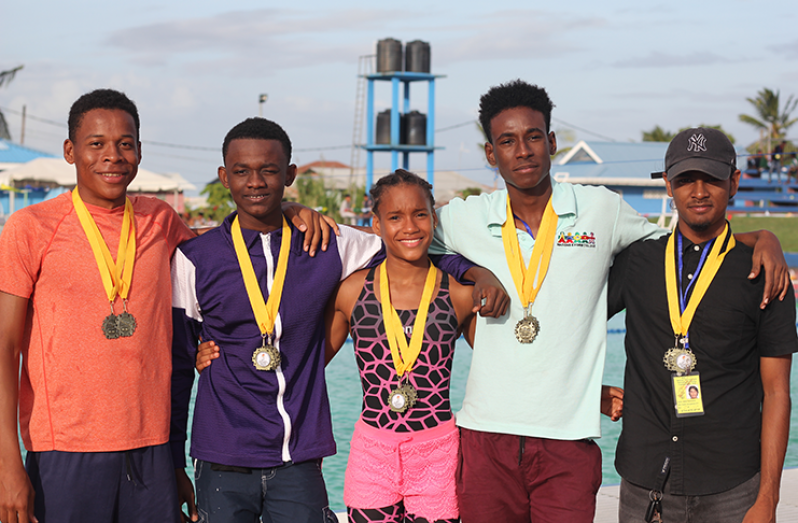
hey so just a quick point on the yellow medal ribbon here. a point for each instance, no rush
(404, 355)
(116, 276)
(265, 311)
(528, 280)
(681, 321)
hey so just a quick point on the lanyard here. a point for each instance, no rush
(526, 225)
(116, 276)
(529, 279)
(404, 355)
(680, 254)
(681, 318)
(265, 311)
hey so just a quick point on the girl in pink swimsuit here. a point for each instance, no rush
(403, 455)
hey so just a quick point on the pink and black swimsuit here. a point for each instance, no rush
(402, 465)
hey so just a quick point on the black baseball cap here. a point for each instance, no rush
(700, 149)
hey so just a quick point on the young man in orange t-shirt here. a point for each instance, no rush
(93, 394)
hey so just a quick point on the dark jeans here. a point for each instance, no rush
(290, 493)
(134, 486)
(728, 507)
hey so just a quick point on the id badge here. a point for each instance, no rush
(687, 395)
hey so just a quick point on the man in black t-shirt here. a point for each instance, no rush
(701, 451)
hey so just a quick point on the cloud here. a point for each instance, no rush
(518, 34)
(789, 50)
(657, 59)
(261, 41)
(258, 39)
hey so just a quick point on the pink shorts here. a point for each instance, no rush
(417, 468)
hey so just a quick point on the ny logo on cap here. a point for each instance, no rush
(697, 143)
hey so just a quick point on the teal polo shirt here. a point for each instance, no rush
(550, 388)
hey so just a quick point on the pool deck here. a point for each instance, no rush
(607, 501)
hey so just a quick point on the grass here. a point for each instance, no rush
(785, 227)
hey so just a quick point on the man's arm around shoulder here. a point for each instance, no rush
(16, 492)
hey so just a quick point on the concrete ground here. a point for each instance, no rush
(607, 501)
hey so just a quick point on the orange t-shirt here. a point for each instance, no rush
(81, 392)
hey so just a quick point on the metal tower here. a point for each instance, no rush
(395, 147)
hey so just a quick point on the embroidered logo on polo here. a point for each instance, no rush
(576, 239)
(697, 143)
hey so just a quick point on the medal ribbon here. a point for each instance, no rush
(680, 253)
(528, 280)
(404, 355)
(265, 311)
(680, 321)
(116, 276)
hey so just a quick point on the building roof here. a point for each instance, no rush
(320, 164)
(59, 172)
(612, 163)
(12, 154)
(340, 176)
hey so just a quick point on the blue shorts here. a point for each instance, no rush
(133, 486)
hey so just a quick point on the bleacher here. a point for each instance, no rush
(758, 195)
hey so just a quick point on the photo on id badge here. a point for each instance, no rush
(687, 395)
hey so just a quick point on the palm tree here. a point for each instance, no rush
(6, 77)
(770, 120)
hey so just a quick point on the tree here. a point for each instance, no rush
(5, 78)
(771, 121)
(469, 191)
(657, 134)
(220, 202)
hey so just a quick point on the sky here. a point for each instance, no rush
(195, 69)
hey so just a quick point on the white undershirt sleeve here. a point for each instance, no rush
(356, 249)
(184, 286)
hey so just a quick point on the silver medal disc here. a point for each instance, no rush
(527, 329)
(402, 398)
(266, 357)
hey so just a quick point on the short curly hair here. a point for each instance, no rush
(259, 129)
(101, 99)
(517, 93)
(396, 178)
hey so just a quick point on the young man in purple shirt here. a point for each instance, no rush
(262, 418)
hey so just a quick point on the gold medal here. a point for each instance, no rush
(526, 330)
(528, 280)
(679, 360)
(267, 357)
(402, 398)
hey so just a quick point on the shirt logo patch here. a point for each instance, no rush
(576, 239)
(697, 143)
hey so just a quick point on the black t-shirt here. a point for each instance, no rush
(729, 333)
